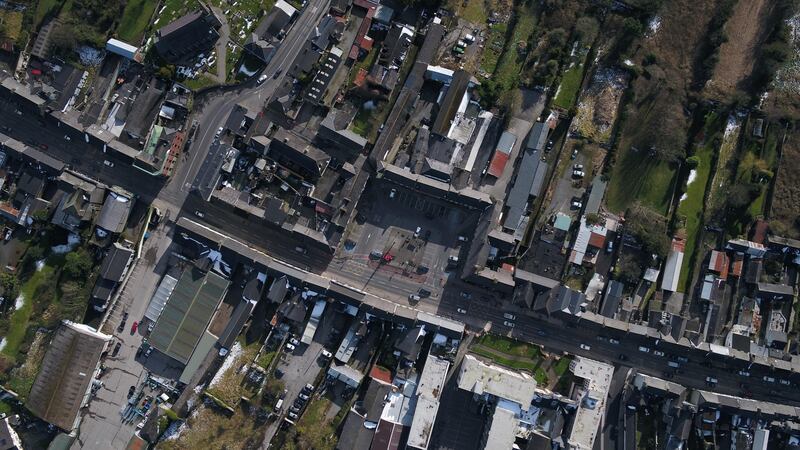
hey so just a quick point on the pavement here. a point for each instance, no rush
(102, 425)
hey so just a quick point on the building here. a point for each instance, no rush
(112, 271)
(429, 390)
(590, 241)
(187, 313)
(298, 155)
(277, 20)
(182, 40)
(529, 180)
(64, 381)
(502, 154)
(123, 49)
(338, 135)
(483, 378)
(612, 299)
(672, 269)
(719, 264)
(327, 68)
(453, 99)
(596, 378)
(774, 292)
(114, 213)
(501, 432)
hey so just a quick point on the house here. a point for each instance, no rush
(277, 20)
(260, 48)
(718, 263)
(339, 135)
(182, 40)
(452, 102)
(775, 335)
(527, 183)
(298, 155)
(112, 271)
(774, 292)
(63, 383)
(114, 213)
(484, 379)
(429, 391)
(612, 299)
(590, 241)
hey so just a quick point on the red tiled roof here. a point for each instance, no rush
(361, 76)
(498, 164)
(719, 263)
(597, 240)
(381, 374)
(678, 244)
(738, 262)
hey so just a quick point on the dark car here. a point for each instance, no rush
(424, 293)
(116, 349)
(131, 391)
(623, 357)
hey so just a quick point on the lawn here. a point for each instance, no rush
(561, 367)
(12, 23)
(510, 353)
(135, 19)
(691, 207)
(313, 429)
(474, 11)
(571, 82)
(18, 325)
(43, 8)
(639, 177)
(509, 346)
(506, 74)
(495, 41)
(202, 81)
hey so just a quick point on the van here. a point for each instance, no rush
(673, 364)
(644, 349)
(279, 405)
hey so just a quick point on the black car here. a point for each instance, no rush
(116, 349)
(131, 391)
(424, 293)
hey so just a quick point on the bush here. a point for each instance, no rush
(692, 162)
(649, 227)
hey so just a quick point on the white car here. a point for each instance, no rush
(393, 193)
(509, 316)
(199, 214)
(585, 347)
(461, 311)
(613, 341)
(262, 78)
(294, 342)
(578, 173)
(577, 167)
(576, 204)
(67, 138)
(290, 348)
(219, 131)
(658, 353)
(508, 324)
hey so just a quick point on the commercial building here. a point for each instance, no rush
(64, 381)
(187, 313)
(483, 378)
(429, 391)
(596, 378)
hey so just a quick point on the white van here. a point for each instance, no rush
(279, 405)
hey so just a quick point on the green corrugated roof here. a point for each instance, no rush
(187, 313)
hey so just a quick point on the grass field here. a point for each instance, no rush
(692, 207)
(639, 177)
(313, 429)
(135, 19)
(43, 8)
(494, 47)
(571, 82)
(12, 23)
(511, 353)
(232, 386)
(21, 317)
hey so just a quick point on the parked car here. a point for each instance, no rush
(576, 204)
(294, 342)
(393, 193)
(586, 347)
(262, 78)
(134, 327)
(509, 316)
(116, 349)
(290, 347)
(461, 311)
(508, 324)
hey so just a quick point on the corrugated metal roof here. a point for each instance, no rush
(187, 313)
(160, 298)
(498, 164)
(506, 143)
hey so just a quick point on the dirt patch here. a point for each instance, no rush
(783, 215)
(747, 29)
(598, 105)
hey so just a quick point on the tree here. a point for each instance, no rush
(594, 219)
(78, 264)
(629, 270)
(649, 227)
(692, 162)
(586, 29)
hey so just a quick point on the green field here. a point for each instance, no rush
(510, 353)
(571, 82)
(692, 208)
(18, 324)
(640, 177)
(135, 19)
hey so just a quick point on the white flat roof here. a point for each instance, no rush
(431, 385)
(593, 402)
(672, 271)
(502, 430)
(482, 378)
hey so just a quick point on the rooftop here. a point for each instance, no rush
(187, 313)
(592, 406)
(483, 378)
(429, 390)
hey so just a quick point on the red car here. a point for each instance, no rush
(134, 327)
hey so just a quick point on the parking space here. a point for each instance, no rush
(403, 242)
(569, 192)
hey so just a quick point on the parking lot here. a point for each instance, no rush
(401, 243)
